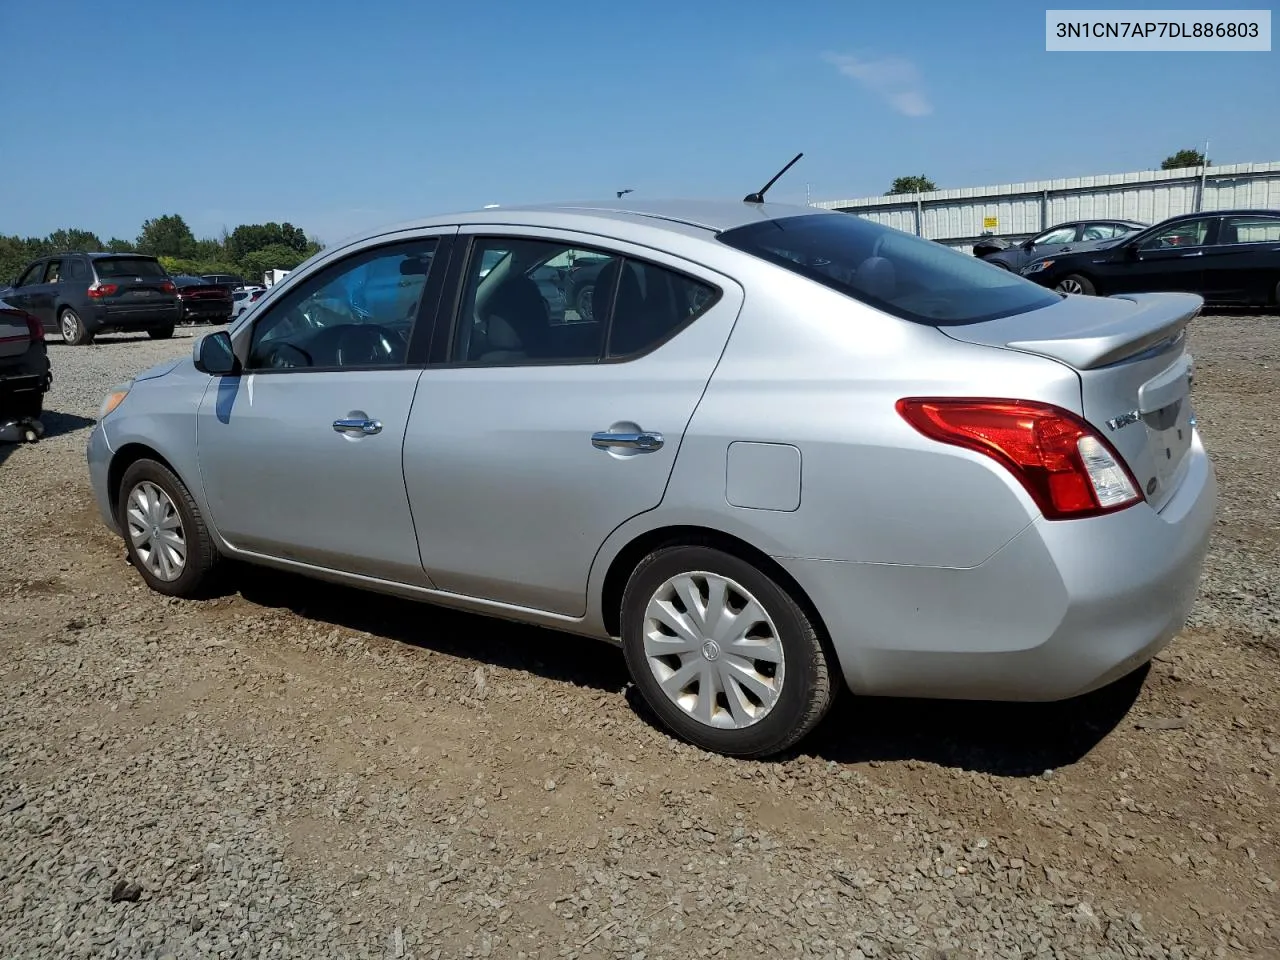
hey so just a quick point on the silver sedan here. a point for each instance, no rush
(786, 452)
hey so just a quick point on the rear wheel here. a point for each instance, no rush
(72, 328)
(722, 654)
(582, 301)
(1076, 283)
(161, 333)
(164, 531)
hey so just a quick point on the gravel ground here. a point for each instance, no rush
(295, 770)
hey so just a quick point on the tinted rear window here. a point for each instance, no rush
(903, 275)
(128, 267)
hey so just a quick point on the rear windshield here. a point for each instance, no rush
(128, 267)
(903, 275)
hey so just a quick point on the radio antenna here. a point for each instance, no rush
(758, 197)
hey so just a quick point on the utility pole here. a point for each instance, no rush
(1204, 175)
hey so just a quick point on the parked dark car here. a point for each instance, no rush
(24, 363)
(83, 294)
(1229, 257)
(1057, 239)
(202, 301)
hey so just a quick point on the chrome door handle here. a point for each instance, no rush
(646, 440)
(355, 425)
(1197, 253)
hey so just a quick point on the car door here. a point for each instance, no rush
(30, 291)
(536, 439)
(300, 453)
(1243, 266)
(1052, 241)
(1169, 258)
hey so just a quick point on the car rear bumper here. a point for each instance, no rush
(31, 374)
(1065, 608)
(98, 455)
(133, 316)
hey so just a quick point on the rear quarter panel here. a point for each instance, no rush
(809, 367)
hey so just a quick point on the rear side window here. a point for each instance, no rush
(128, 267)
(75, 270)
(903, 275)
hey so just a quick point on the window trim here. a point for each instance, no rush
(473, 235)
(423, 324)
(1222, 222)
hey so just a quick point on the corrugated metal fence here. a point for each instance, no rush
(1017, 210)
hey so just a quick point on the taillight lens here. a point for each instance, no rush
(99, 290)
(35, 329)
(1067, 468)
(255, 295)
(168, 286)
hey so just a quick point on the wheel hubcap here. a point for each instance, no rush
(1070, 286)
(68, 327)
(714, 650)
(155, 529)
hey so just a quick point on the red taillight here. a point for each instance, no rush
(99, 290)
(168, 286)
(1062, 462)
(35, 328)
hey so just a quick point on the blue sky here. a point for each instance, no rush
(339, 116)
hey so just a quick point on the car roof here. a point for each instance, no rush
(682, 216)
(1241, 212)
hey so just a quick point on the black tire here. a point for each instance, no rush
(72, 328)
(1086, 285)
(27, 405)
(202, 557)
(161, 333)
(582, 301)
(808, 687)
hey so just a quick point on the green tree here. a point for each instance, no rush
(275, 257)
(116, 245)
(915, 184)
(1184, 158)
(167, 236)
(67, 241)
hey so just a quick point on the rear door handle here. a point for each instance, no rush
(1197, 253)
(645, 440)
(358, 425)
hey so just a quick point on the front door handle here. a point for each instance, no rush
(645, 440)
(1194, 253)
(358, 425)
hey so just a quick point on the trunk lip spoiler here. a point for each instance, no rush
(1164, 315)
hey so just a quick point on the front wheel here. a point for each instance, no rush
(73, 329)
(164, 531)
(161, 333)
(722, 654)
(1076, 283)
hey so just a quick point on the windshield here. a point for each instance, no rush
(128, 267)
(903, 275)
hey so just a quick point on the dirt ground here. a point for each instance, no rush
(299, 770)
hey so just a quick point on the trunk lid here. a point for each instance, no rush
(15, 335)
(1130, 353)
(136, 280)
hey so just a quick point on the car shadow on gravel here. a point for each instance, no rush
(1001, 739)
(55, 424)
(561, 657)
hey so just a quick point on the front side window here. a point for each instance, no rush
(1059, 235)
(1250, 230)
(34, 274)
(53, 273)
(356, 313)
(903, 275)
(1188, 233)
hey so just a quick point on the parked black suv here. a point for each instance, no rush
(83, 294)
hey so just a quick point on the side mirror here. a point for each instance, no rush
(214, 355)
(1029, 243)
(1131, 251)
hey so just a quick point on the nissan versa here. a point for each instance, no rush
(786, 450)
